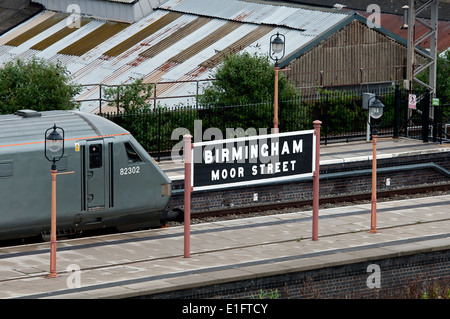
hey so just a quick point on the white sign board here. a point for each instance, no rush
(412, 101)
(253, 160)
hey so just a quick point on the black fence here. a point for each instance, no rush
(343, 119)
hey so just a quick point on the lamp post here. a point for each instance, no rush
(375, 112)
(276, 53)
(54, 151)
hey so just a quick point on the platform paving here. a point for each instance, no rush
(150, 262)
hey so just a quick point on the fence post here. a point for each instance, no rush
(159, 135)
(196, 95)
(425, 115)
(154, 96)
(327, 106)
(396, 109)
(438, 114)
(100, 99)
(223, 118)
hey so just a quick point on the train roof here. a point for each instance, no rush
(28, 127)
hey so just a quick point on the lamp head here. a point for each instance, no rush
(376, 109)
(277, 44)
(54, 143)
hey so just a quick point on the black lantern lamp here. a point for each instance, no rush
(375, 112)
(54, 145)
(277, 47)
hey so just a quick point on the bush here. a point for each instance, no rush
(442, 79)
(36, 84)
(129, 97)
(245, 78)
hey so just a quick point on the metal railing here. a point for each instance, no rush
(308, 82)
(157, 89)
(341, 113)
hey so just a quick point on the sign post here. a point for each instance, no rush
(187, 195)
(315, 223)
(255, 160)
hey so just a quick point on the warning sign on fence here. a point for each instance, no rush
(412, 101)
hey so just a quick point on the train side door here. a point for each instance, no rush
(95, 175)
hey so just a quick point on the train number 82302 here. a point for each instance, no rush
(130, 170)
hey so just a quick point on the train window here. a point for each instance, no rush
(133, 156)
(95, 156)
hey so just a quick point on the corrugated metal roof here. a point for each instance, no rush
(237, 46)
(44, 25)
(143, 34)
(175, 37)
(94, 38)
(61, 34)
(182, 43)
(313, 22)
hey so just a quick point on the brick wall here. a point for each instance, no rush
(333, 185)
(398, 276)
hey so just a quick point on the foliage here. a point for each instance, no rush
(36, 84)
(245, 78)
(153, 128)
(341, 110)
(129, 97)
(421, 288)
(271, 294)
(137, 117)
(442, 78)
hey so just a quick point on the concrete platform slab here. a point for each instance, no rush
(235, 250)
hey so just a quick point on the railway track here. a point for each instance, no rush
(270, 208)
(347, 199)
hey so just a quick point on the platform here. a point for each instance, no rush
(151, 262)
(338, 153)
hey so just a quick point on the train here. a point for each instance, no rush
(105, 178)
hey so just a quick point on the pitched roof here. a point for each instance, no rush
(394, 23)
(14, 12)
(182, 40)
(386, 6)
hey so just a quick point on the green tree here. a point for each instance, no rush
(36, 84)
(442, 78)
(130, 97)
(245, 78)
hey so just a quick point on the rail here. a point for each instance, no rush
(154, 99)
(308, 82)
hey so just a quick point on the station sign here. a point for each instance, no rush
(252, 160)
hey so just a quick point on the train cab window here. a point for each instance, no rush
(133, 156)
(95, 156)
